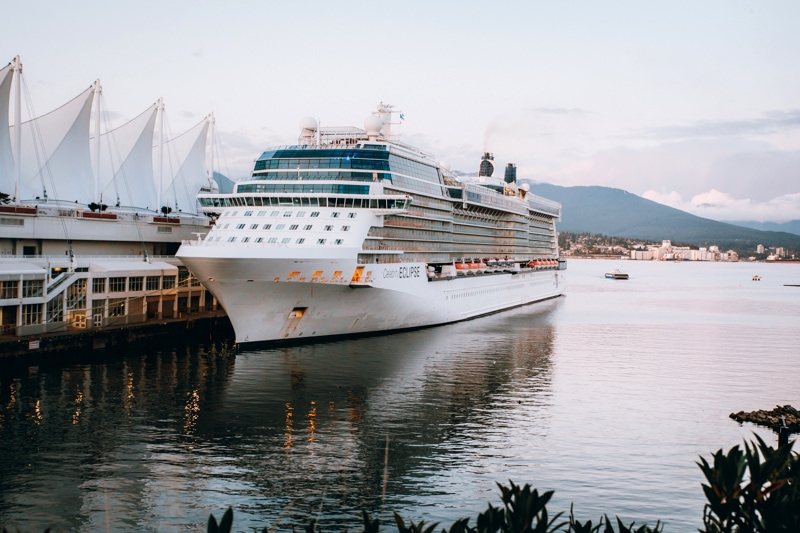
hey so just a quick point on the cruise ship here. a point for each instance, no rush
(351, 231)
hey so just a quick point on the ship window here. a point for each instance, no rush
(328, 228)
(259, 239)
(218, 238)
(299, 241)
(351, 215)
(294, 227)
(302, 213)
(273, 239)
(267, 226)
(225, 226)
(234, 213)
(287, 214)
(261, 213)
(335, 214)
(248, 213)
(320, 241)
(345, 228)
(285, 240)
(337, 241)
(245, 239)
(239, 226)
(274, 213)
(307, 227)
(253, 226)
(231, 239)
(280, 226)
(314, 214)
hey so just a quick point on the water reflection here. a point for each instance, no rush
(158, 440)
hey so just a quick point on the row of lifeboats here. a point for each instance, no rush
(464, 267)
(542, 264)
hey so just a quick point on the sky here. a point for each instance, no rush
(691, 104)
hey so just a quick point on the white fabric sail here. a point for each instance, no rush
(185, 169)
(54, 155)
(126, 163)
(6, 155)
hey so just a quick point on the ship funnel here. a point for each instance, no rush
(511, 173)
(487, 165)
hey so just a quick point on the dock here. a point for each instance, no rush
(31, 350)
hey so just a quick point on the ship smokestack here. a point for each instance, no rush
(511, 173)
(487, 165)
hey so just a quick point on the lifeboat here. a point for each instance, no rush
(461, 269)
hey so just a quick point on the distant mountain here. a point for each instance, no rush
(617, 213)
(793, 226)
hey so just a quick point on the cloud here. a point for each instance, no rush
(770, 122)
(718, 205)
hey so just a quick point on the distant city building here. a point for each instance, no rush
(760, 249)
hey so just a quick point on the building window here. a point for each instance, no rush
(99, 308)
(55, 309)
(116, 284)
(314, 214)
(116, 307)
(9, 289)
(153, 283)
(135, 283)
(31, 314)
(32, 288)
(76, 295)
(169, 282)
(183, 278)
(98, 285)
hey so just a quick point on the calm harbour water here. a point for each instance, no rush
(607, 395)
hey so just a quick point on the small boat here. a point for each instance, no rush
(616, 274)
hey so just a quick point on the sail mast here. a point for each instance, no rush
(211, 170)
(98, 90)
(17, 126)
(160, 152)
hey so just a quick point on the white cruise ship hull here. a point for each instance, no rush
(281, 299)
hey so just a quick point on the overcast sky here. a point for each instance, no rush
(692, 104)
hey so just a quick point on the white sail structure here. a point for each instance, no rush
(184, 169)
(54, 160)
(126, 163)
(6, 154)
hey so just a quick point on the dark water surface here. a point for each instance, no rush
(608, 396)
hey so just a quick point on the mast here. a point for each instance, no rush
(17, 125)
(98, 90)
(160, 152)
(212, 123)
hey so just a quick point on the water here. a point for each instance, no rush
(608, 396)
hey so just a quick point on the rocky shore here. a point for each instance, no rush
(772, 419)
